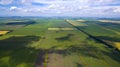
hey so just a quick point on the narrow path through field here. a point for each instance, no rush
(42, 56)
(40, 60)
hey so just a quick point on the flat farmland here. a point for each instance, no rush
(106, 31)
(35, 45)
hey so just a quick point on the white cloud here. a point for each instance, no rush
(53, 1)
(59, 12)
(13, 8)
(65, 7)
(6, 2)
(117, 10)
(17, 9)
(62, 8)
(26, 2)
(54, 6)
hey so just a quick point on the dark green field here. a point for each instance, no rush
(31, 44)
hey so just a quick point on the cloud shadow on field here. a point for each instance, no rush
(21, 23)
(17, 51)
(88, 50)
(113, 54)
(85, 50)
(64, 38)
(79, 65)
(17, 42)
(108, 24)
(114, 39)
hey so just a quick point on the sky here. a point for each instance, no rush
(75, 8)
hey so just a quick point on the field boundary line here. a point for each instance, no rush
(94, 38)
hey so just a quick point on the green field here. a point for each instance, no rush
(107, 32)
(33, 45)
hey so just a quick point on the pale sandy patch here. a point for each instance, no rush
(61, 28)
(81, 20)
(110, 21)
(3, 32)
(16, 21)
(76, 23)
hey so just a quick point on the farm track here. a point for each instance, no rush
(40, 59)
(43, 54)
